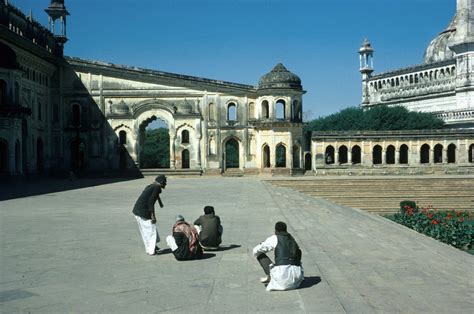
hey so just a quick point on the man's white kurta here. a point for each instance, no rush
(283, 277)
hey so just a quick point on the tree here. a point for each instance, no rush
(378, 118)
(156, 149)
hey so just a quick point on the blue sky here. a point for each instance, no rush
(240, 40)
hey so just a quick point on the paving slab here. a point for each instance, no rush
(78, 249)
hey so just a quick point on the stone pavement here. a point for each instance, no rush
(80, 251)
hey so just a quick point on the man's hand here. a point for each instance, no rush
(153, 220)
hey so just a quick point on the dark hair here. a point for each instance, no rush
(160, 179)
(280, 226)
(208, 210)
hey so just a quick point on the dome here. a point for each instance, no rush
(438, 49)
(185, 107)
(121, 108)
(279, 77)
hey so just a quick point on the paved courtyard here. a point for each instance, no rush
(79, 250)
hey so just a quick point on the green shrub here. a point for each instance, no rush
(452, 227)
(406, 205)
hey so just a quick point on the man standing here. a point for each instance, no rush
(286, 273)
(210, 229)
(144, 211)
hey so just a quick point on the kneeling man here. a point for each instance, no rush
(286, 273)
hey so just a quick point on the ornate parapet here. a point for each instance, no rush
(459, 116)
(420, 81)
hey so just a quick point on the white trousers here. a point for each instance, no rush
(149, 233)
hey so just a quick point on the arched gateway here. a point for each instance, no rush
(203, 135)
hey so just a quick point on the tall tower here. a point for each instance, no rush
(463, 46)
(366, 54)
(57, 10)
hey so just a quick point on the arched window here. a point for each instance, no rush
(356, 154)
(3, 155)
(390, 155)
(342, 154)
(265, 110)
(438, 154)
(185, 137)
(212, 146)
(403, 154)
(76, 115)
(251, 111)
(185, 159)
(39, 111)
(123, 137)
(451, 153)
(232, 154)
(280, 153)
(212, 112)
(329, 155)
(377, 155)
(471, 153)
(231, 112)
(266, 156)
(307, 161)
(280, 109)
(425, 154)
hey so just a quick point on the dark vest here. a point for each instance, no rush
(287, 251)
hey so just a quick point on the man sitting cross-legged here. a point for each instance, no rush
(209, 228)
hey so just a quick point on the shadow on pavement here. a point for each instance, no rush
(11, 189)
(310, 281)
(223, 248)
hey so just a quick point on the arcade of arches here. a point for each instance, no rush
(395, 151)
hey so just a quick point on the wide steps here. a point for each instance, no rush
(383, 195)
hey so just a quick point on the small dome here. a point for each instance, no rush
(279, 77)
(121, 108)
(438, 49)
(366, 47)
(185, 107)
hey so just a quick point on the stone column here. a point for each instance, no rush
(172, 150)
(397, 156)
(445, 156)
(431, 156)
(384, 157)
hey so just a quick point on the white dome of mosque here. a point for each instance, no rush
(438, 49)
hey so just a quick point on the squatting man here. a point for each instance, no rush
(188, 241)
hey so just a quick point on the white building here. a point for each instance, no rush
(443, 84)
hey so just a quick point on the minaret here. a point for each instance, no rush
(57, 10)
(463, 46)
(366, 54)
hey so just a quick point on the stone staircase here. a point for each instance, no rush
(383, 195)
(171, 172)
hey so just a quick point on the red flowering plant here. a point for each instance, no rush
(452, 227)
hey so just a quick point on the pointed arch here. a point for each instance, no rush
(280, 155)
(425, 154)
(266, 156)
(451, 153)
(329, 155)
(377, 155)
